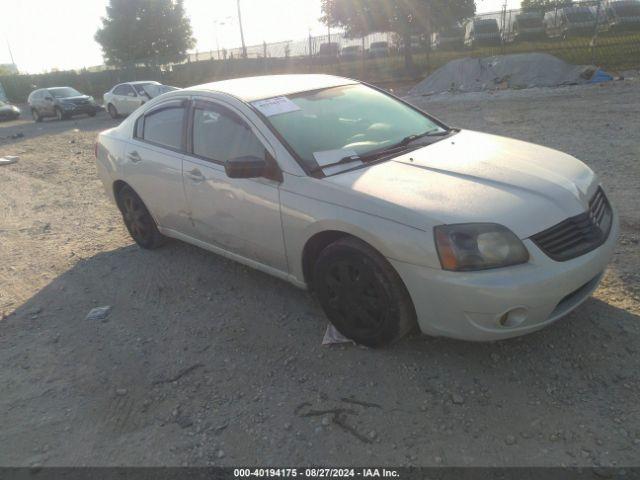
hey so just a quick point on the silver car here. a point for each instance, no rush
(125, 98)
(392, 218)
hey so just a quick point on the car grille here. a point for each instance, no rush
(80, 102)
(578, 235)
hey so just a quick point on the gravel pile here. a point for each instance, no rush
(525, 70)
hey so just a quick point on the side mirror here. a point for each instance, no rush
(245, 167)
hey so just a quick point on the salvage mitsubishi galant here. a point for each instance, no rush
(391, 217)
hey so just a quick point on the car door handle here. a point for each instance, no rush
(134, 157)
(196, 176)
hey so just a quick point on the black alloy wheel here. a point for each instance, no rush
(362, 295)
(139, 222)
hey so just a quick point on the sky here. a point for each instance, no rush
(58, 34)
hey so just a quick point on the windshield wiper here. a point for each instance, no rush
(402, 145)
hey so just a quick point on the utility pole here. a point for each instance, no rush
(9, 48)
(329, 24)
(244, 47)
(504, 21)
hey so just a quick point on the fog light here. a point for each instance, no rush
(513, 318)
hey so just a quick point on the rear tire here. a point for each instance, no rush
(113, 112)
(362, 295)
(139, 222)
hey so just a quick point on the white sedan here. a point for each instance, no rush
(125, 98)
(392, 218)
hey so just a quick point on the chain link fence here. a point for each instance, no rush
(605, 33)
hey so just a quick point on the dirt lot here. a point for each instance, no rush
(203, 361)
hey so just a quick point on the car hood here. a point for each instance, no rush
(473, 177)
(72, 99)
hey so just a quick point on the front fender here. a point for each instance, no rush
(305, 217)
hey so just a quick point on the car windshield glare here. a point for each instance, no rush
(578, 16)
(352, 119)
(486, 26)
(627, 10)
(140, 87)
(64, 92)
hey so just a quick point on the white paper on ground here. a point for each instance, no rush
(8, 160)
(275, 106)
(333, 336)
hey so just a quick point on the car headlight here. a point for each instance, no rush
(92, 100)
(478, 246)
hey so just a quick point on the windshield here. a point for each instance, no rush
(627, 10)
(579, 16)
(64, 92)
(348, 120)
(153, 90)
(140, 87)
(328, 48)
(530, 22)
(486, 26)
(451, 32)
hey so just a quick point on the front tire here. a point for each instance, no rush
(113, 112)
(36, 115)
(362, 295)
(60, 115)
(139, 222)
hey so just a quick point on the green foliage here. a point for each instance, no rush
(145, 32)
(360, 17)
(544, 5)
(405, 17)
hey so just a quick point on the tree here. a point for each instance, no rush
(406, 17)
(543, 6)
(150, 32)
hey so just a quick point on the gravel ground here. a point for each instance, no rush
(202, 361)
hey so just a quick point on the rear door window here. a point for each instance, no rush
(163, 126)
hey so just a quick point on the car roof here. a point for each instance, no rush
(139, 82)
(249, 89)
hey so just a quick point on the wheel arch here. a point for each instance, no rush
(317, 242)
(314, 246)
(390, 239)
(117, 186)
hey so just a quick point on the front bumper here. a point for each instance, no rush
(80, 109)
(506, 302)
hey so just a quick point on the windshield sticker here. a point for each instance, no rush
(275, 106)
(331, 157)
